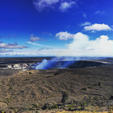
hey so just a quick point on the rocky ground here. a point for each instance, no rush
(89, 88)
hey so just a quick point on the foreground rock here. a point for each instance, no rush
(69, 89)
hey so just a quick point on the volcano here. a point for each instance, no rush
(65, 63)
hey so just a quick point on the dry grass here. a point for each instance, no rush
(79, 112)
(60, 111)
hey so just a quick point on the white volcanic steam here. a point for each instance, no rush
(60, 62)
(54, 63)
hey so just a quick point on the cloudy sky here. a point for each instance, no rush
(56, 28)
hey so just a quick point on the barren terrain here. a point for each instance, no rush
(88, 88)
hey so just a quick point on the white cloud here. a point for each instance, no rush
(86, 24)
(63, 5)
(39, 45)
(64, 35)
(41, 4)
(34, 38)
(99, 12)
(83, 46)
(11, 46)
(66, 5)
(98, 27)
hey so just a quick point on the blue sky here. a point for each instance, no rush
(56, 28)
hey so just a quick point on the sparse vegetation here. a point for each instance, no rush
(69, 89)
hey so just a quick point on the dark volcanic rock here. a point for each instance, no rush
(82, 64)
